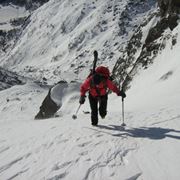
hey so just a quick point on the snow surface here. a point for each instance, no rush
(63, 148)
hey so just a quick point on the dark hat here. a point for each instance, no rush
(97, 78)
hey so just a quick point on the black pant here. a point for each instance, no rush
(102, 100)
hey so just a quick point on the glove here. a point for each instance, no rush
(122, 94)
(82, 99)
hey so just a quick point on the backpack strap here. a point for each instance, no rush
(105, 82)
(92, 85)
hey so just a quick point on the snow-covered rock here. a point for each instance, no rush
(14, 16)
(67, 32)
(9, 79)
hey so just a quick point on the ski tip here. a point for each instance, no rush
(95, 53)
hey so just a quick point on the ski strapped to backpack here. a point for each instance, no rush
(94, 70)
(101, 71)
(95, 61)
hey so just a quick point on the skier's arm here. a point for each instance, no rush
(112, 87)
(85, 87)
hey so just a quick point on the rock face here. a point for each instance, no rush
(169, 7)
(12, 32)
(28, 4)
(9, 36)
(130, 61)
(9, 79)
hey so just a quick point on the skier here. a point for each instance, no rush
(98, 84)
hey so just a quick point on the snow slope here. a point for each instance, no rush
(63, 148)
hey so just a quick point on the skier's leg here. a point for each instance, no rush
(94, 109)
(103, 106)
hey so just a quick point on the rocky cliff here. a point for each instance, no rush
(145, 45)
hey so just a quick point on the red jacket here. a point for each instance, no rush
(102, 87)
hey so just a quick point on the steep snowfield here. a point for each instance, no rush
(62, 35)
(63, 148)
(57, 45)
(162, 77)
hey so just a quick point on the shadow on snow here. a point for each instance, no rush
(142, 132)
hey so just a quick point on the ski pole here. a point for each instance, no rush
(74, 116)
(123, 123)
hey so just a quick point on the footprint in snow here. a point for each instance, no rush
(60, 176)
(4, 149)
(84, 144)
(63, 141)
(9, 165)
(99, 135)
(83, 153)
(135, 177)
(59, 166)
